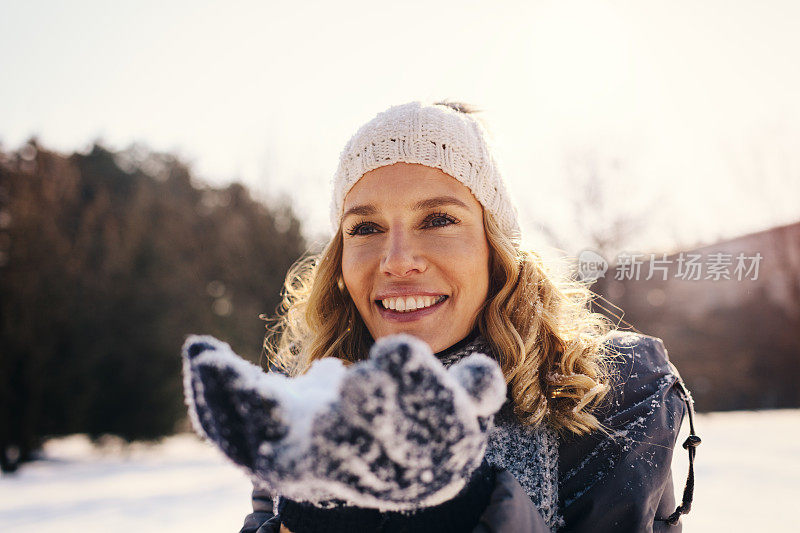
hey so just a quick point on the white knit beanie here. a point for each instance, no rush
(434, 135)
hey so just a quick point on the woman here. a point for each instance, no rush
(428, 243)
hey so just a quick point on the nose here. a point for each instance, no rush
(401, 257)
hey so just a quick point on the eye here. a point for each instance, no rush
(439, 220)
(362, 228)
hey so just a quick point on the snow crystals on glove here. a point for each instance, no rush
(394, 432)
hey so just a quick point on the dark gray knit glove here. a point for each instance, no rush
(395, 432)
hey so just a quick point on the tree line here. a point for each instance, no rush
(108, 259)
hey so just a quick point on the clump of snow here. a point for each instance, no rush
(627, 338)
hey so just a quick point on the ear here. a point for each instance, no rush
(225, 404)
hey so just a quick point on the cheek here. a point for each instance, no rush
(473, 271)
(479, 279)
(355, 274)
(468, 257)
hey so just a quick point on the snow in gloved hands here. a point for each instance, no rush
(395, 432)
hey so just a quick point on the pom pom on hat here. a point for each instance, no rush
(434, 135)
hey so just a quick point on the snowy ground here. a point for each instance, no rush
(748, 479)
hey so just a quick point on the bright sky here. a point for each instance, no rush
(688, 110)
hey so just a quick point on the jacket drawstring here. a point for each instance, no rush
(691, 444)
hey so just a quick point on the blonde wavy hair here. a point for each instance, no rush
(550, 346)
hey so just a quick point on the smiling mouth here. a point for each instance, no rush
(406, 304)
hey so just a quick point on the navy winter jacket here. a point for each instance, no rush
(619, 480)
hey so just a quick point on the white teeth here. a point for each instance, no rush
(410, 303)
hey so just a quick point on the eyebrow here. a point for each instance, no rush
(430, 203)
(438, 201)
(362, 210)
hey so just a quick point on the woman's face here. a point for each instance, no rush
(415, 257)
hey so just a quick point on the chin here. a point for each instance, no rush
(428, 337)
